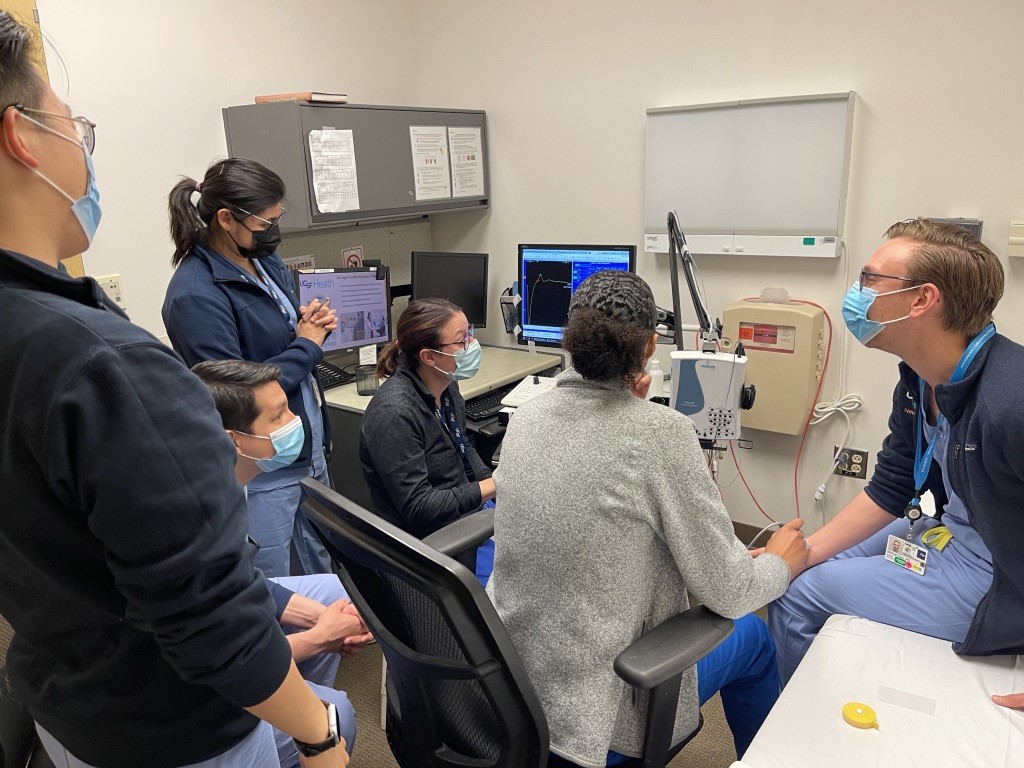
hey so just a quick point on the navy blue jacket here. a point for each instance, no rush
(414, 471)
(985, 464)
(142, 626)
(212, 312)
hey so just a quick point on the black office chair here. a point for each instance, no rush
(19, 743)
(458, 694)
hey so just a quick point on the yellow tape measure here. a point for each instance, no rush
(860, 715)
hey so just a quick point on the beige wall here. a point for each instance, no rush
(566, 84)
(155, 75)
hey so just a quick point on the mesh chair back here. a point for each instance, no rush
(458, 694)
(19, 744)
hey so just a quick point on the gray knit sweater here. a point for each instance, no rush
(606, 515)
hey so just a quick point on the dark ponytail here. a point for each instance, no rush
(20, 82)
(237, 184)
(418, 328)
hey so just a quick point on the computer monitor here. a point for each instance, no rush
(360, 296)
(459, 277)
(548, 277)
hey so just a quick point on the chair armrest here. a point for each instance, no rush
(672, 647)
(465, 534)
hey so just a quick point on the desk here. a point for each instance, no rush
(498, 366)
(933, 706)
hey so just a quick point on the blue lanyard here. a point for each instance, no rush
(450, 422)
(923, 461)
(272, 290)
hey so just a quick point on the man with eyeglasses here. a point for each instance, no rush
(927, 296)
(143, 633)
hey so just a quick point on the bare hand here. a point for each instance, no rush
(1010, 700)
(789, 544)
(335, 625)
(316, 320)
(332, 758)
(641, 385)
(756, 552)
(353, 644)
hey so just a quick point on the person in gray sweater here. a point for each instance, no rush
(606, 516)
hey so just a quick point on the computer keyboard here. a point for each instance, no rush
(332, 376)
(488, 404)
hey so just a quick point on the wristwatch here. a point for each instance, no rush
(333, 736)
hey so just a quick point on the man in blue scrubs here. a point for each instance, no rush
(927, 296)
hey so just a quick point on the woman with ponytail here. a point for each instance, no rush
(422, 471)
(231, 297)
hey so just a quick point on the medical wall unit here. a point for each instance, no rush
(709, 388)
(785, 348)
(765, 177)
(346, 164)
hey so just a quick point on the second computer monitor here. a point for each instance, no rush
(548, 277)
(461, 278)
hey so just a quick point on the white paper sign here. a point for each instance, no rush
(431, 174)
(335, 182)
(466, 152)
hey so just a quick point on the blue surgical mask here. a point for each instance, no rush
(86, 208)
(287, 442)
(856, 304)
(467, 362)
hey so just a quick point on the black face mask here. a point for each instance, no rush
(264, 242)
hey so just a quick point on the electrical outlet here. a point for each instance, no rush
(853, 462)
(111, 284)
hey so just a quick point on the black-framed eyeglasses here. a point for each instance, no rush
(465, 341)
(268, 222)
(85, 128)
(867, 278)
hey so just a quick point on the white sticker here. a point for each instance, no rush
(656, 243)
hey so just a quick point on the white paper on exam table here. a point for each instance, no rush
(854, 659)
(526, 390)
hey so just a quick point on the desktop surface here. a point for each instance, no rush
(498, 366)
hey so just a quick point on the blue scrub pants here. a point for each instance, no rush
(861, 582)
(318, 671)
(275, 521)
(743, 670)
(254, 751)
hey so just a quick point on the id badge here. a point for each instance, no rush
(906, 555)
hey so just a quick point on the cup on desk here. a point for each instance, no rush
(366, 380)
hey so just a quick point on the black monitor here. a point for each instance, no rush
(459, 277)
(550, 274)
(360, 296)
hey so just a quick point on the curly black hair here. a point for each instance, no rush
(611, 318)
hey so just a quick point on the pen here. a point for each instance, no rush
(323, 303)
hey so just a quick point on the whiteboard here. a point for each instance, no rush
(766, 167)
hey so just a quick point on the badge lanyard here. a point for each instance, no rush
(923, 459)
(272, 290)
(446, 413)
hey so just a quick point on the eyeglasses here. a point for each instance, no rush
(867, 279)
(465, 341)
(86, 129)
(268, 222)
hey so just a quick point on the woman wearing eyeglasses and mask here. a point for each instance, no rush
(422, 471)
(231, 297)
